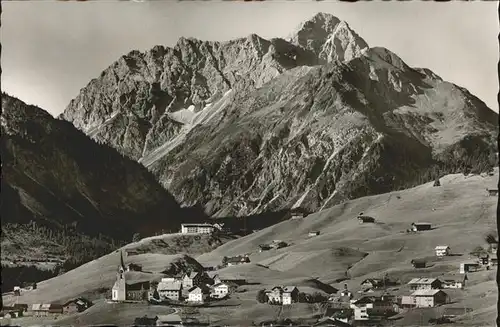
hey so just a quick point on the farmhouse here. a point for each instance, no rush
(191, 279)
(264, 247)
(274, 295)
(466, 267)
(417, 227)
(220, 290)
(298, 213)
(46, 309)
(238, 260)
(419, 263)
(429, 298)
(198, 294)
(442, 250)
(134, 267)
(290, 295)
(373, 283)
(366, 219)
(76, 305)
(197, 228)
(424, 283)
(369, 307)
(169, 290)
(492, 191)
(453, 282)
(313, 233)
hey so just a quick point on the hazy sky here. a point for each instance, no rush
(50, 50)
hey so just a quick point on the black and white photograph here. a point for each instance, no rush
(249, 163)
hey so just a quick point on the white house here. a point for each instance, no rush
(275, 295)
(220, 290)
(197, 228)
(198, 294)
(429, 298)
(313, 233)
(442, 250)
(290, 295)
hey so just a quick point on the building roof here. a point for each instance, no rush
(197, 225)
(426, 292)
(289, 289)
(170, 318)
(442, 247)
(374, 281)
(238, 259)
(417, 224)
(198, 289)
(425, 281)
(191, 274)
(167, 286)
(220, 284)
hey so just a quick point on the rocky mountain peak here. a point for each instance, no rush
(329, 38)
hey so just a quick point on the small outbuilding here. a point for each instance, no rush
(417, 227)
(366, 219)
(419, 263)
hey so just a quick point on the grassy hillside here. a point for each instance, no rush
(461, 213)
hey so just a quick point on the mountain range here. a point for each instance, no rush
(253, 125)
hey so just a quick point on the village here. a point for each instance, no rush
(371, 303)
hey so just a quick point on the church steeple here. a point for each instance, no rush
(121, 268)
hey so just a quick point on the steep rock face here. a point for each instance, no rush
(329, 38)
(251, 125)
(55, 175)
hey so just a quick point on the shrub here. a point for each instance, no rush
(261, 296)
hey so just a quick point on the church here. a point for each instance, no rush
(125, 290)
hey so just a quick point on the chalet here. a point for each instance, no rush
(169, 290)
(492, 192)
(76, 305)
(417, 227)
(192, 279)
(424, 283)
(290, 295)
(373, 283)
(366, 219)
(238, 260)
(453, 282)
(264, 247)
(197, 228)
(219, 290)
(313, 233)
(134, 267)
(145, 321)
(274, 295)
(442, 250)
(277, 244)
(466, 267)
(169, 320)
(198, 294)
(408, 301)
(298, 213)
(419, 263)
(46, 309)
(429, 298)
(369, 307)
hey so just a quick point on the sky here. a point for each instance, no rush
(52, 49)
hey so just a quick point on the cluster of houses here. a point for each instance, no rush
(282, 295)
(46, 309)
(191, 287)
